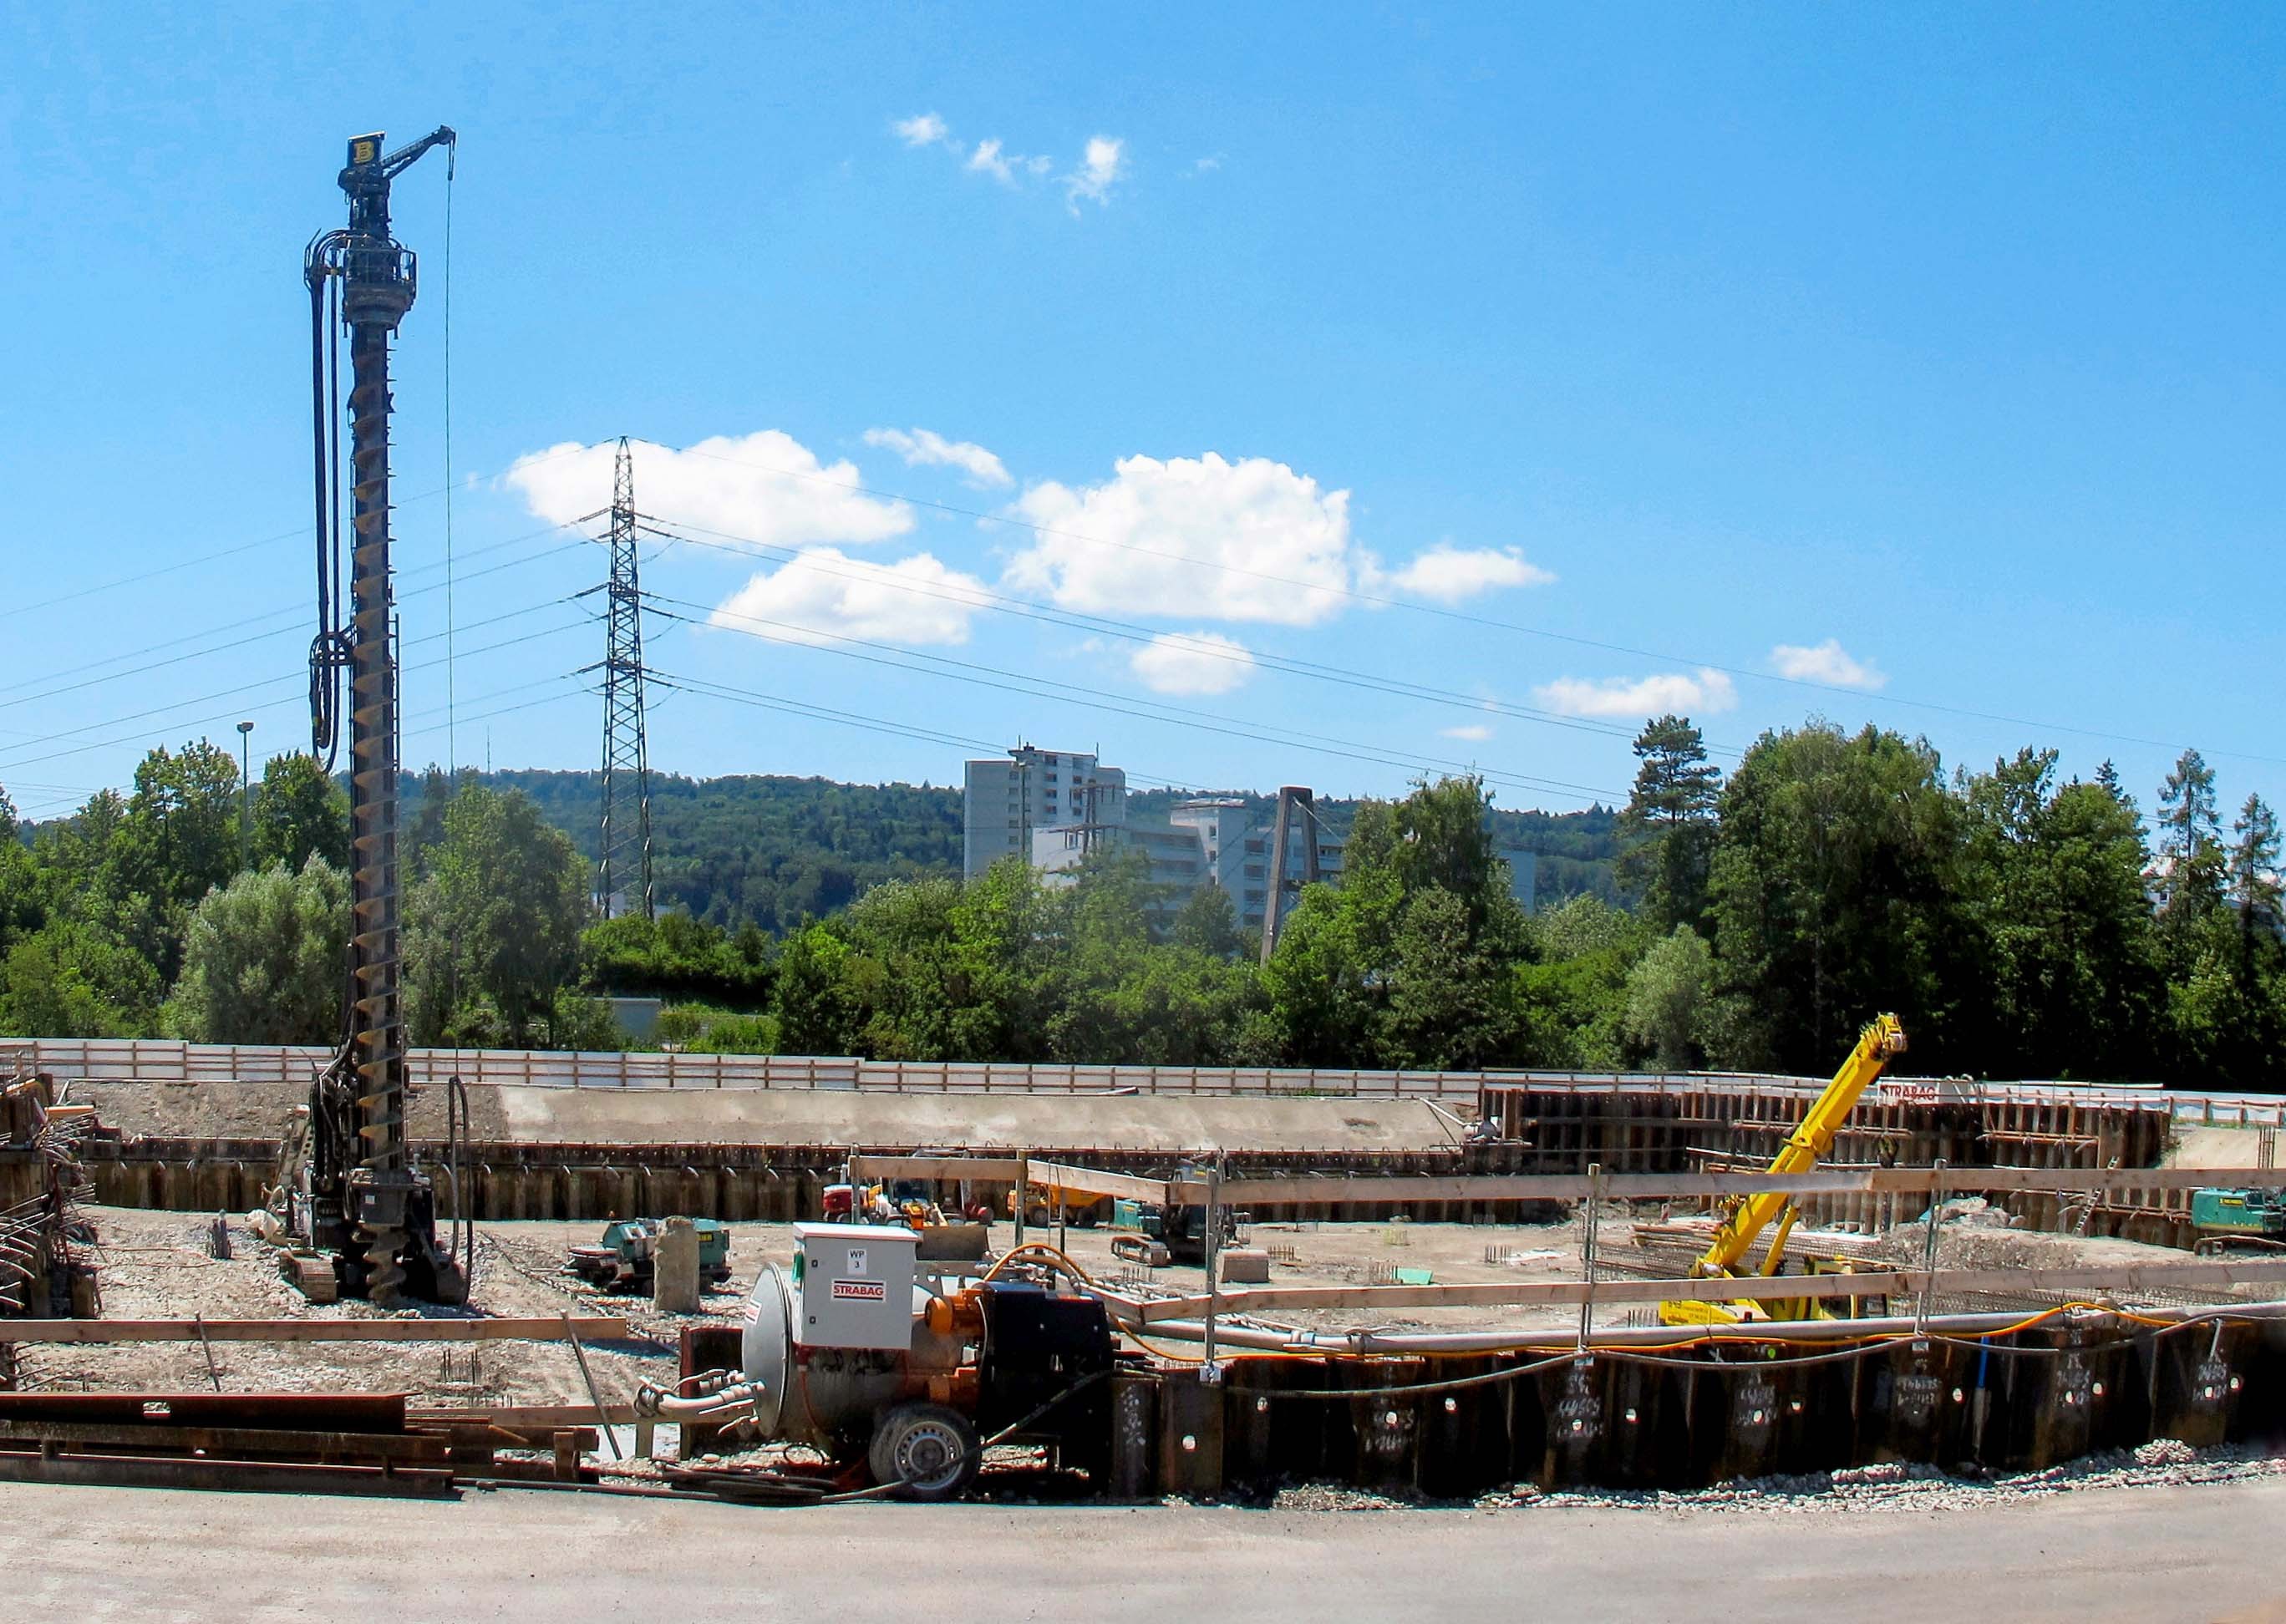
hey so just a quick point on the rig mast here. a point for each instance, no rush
(362, 1200)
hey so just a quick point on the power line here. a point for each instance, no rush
(296, 535)
(1464, 617)
(1368, 754)
(297, 612)
(1120, 704)
(269, 683)
(796, 707)
(1129, 631)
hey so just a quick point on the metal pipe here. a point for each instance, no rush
(1367, 1342)
(653, 1401)
(1208, 1369)
(602, 1416)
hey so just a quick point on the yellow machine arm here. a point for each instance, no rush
(1882, 1039)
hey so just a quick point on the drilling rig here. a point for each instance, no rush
(354, 1199)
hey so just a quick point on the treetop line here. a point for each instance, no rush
(2033, 927)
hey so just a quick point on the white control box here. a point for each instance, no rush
(854, 1285)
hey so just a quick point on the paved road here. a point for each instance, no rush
(2216, 1551)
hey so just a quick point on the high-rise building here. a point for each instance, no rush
(1213, 840)
(1235, 851)
(1061, 807)
(1006, 801)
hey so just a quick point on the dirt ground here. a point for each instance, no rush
(155, 1265)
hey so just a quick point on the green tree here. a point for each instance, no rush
(1834, 892)
(1440, 837)
(1325, 985)
(1571, 992)
(265, 960)
(2253, 873)
(913, 986)
(69, 979)
(678, 958)
(178, 840)
(1405, 962)
(1666, 833)
(23, 896)
(2190, 852)
(2228, 998)
(422, 818)
(493, 929)
(1206, 923)
(78, 855)
(1109, 993)
(575, 1020)
(807, 997)
(2053, 893)
(1669, 992)
(299, 813)
(1449, 1007)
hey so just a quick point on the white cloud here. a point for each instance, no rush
(1100, 166)
(924, 447)
(1640, 697)
(1205, 536)
(924, 129)
(1449, 573)
(1191, 537)
(1474, 731)
(1204, 166)
(1102, 160)
(1826, 663)
(986, 159)
(765, 487)
(821, 595)
(1194, 663)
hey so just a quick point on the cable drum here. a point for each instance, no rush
(766, 1350)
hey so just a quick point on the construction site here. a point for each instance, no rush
(1214, 1287)
(640, 1288)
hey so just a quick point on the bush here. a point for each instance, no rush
(697, 1028)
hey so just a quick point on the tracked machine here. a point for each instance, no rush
(364, 1218)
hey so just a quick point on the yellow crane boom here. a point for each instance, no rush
(1747, 1217)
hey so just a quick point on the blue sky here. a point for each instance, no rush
(1263, 395)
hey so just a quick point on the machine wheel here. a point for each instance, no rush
(1088, 1217)
(930, 1452)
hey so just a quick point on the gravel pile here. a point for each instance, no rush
(1901, 1485)
(1332, 1497)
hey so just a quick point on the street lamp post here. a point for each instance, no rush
(245, 796)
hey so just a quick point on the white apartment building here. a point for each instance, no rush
(1061, 807)
(1235, 852)
(1006, 800)
(1209, 841)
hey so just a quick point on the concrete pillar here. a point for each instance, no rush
(674, 1268)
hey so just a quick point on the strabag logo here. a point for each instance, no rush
(861, 1291)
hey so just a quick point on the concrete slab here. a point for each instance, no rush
(2129, 1554)
(2219, 1147)
(516, 1114)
